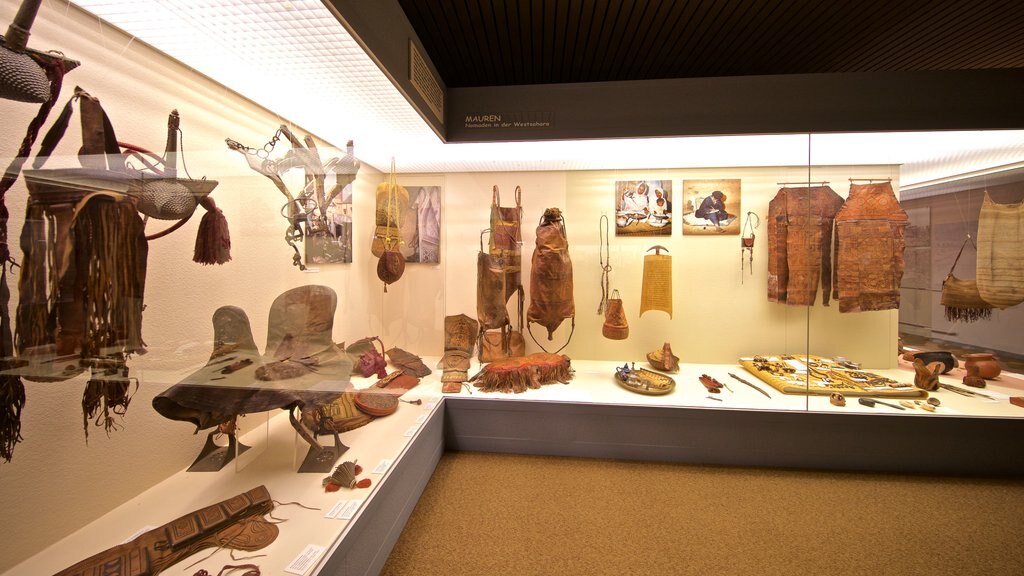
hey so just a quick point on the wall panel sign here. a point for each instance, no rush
(509, 120)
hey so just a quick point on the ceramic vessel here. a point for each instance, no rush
(984, 363)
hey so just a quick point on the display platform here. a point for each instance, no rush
(398, 454)
(592, 416)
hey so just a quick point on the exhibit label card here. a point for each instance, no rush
(333, 512)
(305, 560)
(383, 466)
(350, 510)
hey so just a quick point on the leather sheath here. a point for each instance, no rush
(506, 243)
(236, 523)
(800, 225)
(870, 231)
(490, 292)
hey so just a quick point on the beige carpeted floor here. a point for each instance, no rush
(484, 514)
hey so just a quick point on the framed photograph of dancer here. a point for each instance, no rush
(711, 207)
(643, 208)
(421, 225)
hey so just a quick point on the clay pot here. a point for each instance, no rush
(982, 364)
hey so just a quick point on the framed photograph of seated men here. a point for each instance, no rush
(711, 207)
(643, 208)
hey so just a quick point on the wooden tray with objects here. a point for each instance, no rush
(821, 376)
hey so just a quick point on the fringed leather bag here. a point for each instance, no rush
(551, 287)
(84, 267)
(960, 298)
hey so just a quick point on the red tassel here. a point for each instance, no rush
(364, 483)
(331, 487)
(213, 241)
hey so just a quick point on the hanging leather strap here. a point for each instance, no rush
(960, 253)
(99, 143)
(604, 257)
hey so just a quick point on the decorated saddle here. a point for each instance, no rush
(301, 366)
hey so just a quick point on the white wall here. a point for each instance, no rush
(56, 482)
(717, 316)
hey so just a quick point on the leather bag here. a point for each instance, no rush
(961, 300)
(551, 286)
(500, 344)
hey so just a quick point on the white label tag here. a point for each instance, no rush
(411, 430)
(333, 512)
(350, 510)
(383, 466)
(421, 418)
(304, 561)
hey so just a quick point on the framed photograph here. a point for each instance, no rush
(421, 225)
(333, 245)
(643, 208)
(711, 207)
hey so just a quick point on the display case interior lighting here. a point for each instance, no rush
(295, 58)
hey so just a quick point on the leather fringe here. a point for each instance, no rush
(12, 400)
(109, 395)
(967, 314)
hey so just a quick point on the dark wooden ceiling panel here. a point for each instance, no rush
(508, 42)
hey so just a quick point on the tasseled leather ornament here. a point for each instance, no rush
(213, 240)
(344, 476)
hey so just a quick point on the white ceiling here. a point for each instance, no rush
(294, 58)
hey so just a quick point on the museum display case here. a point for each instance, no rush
(323, 309)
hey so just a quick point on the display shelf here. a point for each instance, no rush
(411, 439)
(594, 417)
(591, 416)
(594, 383)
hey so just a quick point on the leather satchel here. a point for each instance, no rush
(501, 344)
(960, 298)
(551, 285)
